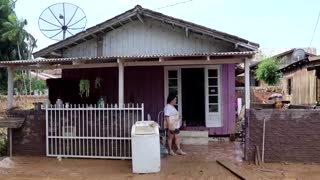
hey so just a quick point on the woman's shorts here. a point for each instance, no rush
(176, 131)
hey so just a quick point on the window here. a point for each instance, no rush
(289, 86)
(213, 92)
(173, 84)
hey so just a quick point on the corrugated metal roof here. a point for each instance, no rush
(106, 58)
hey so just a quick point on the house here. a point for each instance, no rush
(301, 81)
(284, 59)
(140, 56)
(298, 84)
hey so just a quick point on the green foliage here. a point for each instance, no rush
(3, 143)
(268, 71)
(84, 87)
(38, 84)
(7, 48)
(3, 82)
(15, 41)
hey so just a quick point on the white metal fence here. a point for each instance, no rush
(85, 131)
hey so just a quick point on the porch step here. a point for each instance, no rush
(194, 137)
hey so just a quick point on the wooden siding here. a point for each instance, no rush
(303, 86)
(155, 38)
(228, 101)
(141, 85)
(109, 83)
(145, 85)
(152, 37)
(86, 49)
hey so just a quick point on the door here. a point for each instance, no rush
(173, 85)
(213, 97)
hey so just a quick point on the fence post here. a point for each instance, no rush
(47, 128)
(142, 111)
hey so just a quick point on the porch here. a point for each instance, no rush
(134, 78)
(204, 84)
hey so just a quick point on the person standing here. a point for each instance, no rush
(173, 124)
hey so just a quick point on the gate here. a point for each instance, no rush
(85, 131)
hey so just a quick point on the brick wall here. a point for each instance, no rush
(258, 94)
(30, 139)
(291, 135)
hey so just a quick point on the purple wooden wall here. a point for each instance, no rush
(141, 85)
(228, 101)
(109, 84)
(145, 85)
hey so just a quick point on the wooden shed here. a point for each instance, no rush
(301, 81)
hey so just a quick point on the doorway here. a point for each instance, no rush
(198, 93)
(193, 96)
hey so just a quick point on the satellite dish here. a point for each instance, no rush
(62, 20)
(298, 54)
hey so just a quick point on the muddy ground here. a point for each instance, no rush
(200, 163)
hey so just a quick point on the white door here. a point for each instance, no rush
(213, 99)
(173, 85)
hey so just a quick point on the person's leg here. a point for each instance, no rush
(170, 138)
(177, 141)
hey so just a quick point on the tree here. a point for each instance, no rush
(13, 32)
(7, 48)
(268, 71)
(39, 85)
(32, 43)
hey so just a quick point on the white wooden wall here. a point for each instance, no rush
(152, 37)
(156, 38)
(87, 49)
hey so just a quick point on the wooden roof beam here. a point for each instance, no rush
(187, 32)
(140, 18)
(161, 59)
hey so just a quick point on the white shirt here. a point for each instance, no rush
(173, 114)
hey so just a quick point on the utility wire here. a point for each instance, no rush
(173, 4)
(315, 28)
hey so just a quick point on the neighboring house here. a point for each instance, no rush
(140, 56)
(284, 59)
(301, 81)
(46, 75)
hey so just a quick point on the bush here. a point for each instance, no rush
(38, 84)
(268, 72)
(3, 142)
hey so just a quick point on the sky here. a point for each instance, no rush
(271, 23)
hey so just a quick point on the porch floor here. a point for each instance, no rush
(200, 163)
